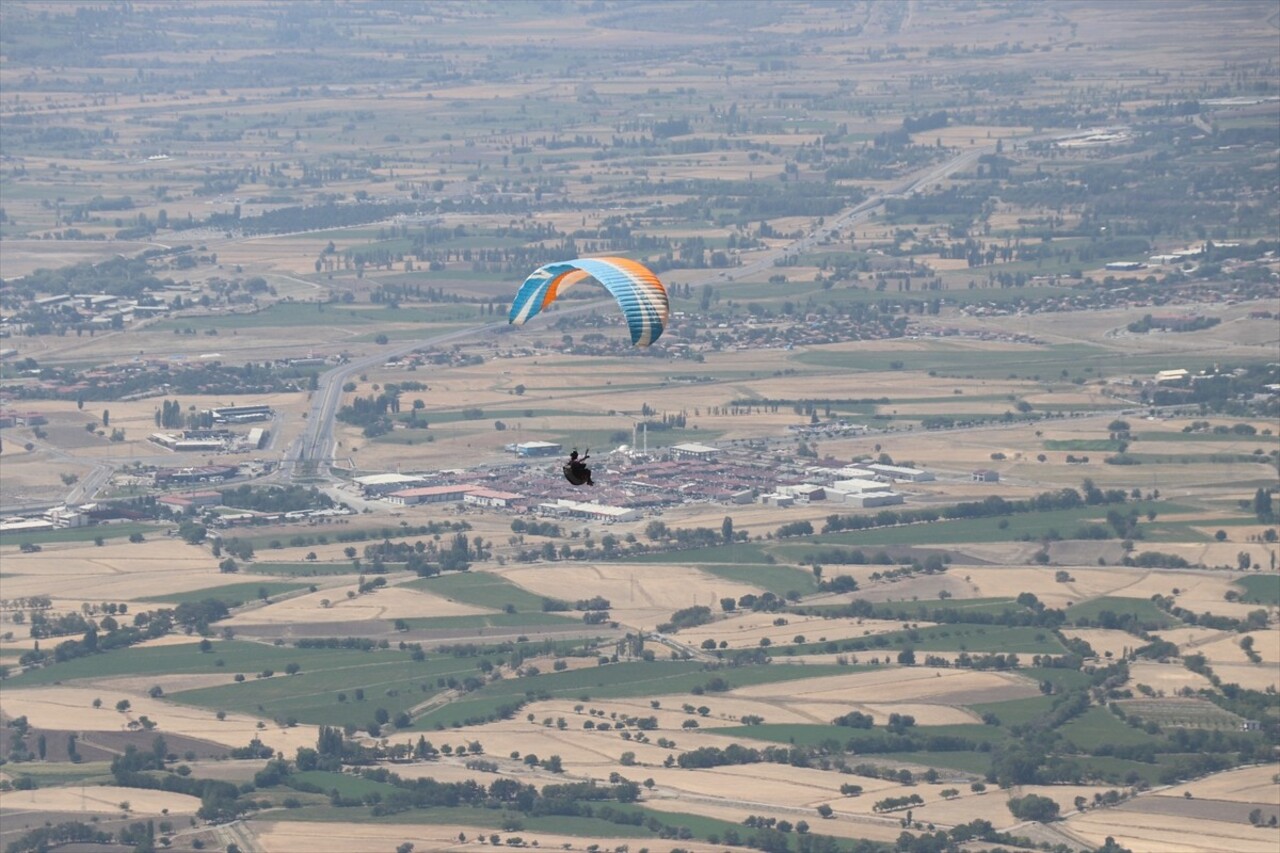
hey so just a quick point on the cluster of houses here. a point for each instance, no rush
(13, 418)
(630, 484)
(408, 490)
(100, 310)
(187, 503)
(57, 518)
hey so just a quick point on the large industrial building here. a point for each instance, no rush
(429, 495)
(536, 448)
(240, 414)
(376, 485)
(898, 472)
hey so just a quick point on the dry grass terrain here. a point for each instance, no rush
(1164, 833)
(71, 709)
(642, 595)
(98, 800)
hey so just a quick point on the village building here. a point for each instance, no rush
(429, 495)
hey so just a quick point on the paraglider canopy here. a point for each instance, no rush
(640, 294)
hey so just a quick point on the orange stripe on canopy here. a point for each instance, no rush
(566, 279)
(639, 270)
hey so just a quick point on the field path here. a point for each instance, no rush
(87, 739)
(1204, 641)
(1116, 592)
(771, 809)
(1055, 833)
(239, 834)
(784, 705)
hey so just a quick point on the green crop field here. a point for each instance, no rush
(300, 569)
(480, 589)
(1061, 678)
(348, 786)
(615, 681)
(390, 680)
(941, 638)
(1260, 589)
(776, 579)
(233, 595)
(59, 773)
(225, 656)
(494, 620)
(1096, 445)
(1141, 608)
(1098, 726)
(1120, 770)
(739, 553)
(1017, 526)
(83, 534)
(909, 610)
(1016, 712)
(482, 818)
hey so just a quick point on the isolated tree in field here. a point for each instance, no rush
(1033, 807)
(1262, 506)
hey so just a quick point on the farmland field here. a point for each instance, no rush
(233, 594)
(959, 385)
(482, 590)
(1261, 589)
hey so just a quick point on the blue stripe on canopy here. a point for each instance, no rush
(638, 291)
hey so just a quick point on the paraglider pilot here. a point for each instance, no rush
(576, 470)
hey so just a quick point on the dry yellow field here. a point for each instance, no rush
(289, 837)
(895, 684)
(1161, 833)
(749, 628)
(97, 800)
(1245, 785)
(798, 787)
(992, 804)
(1165, 678)
(71, 709)
(1103, 640)
(379, 604)
(1189, 639)
(21, 257)
(842, 825)
(1087, 583)
(641, 595)
(1254, 676)
(118, 571)
(1197, 591)
(1227, 649)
